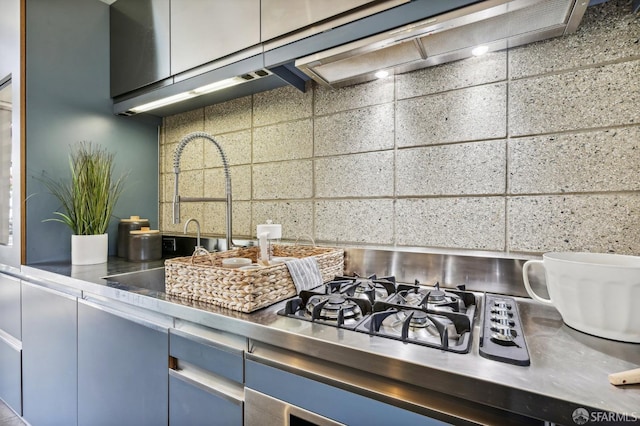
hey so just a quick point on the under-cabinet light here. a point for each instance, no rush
(382, 74)
(163, 102)
(218, 85)
(202, 90)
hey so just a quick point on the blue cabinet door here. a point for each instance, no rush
(10, 345)
(49, 376)
(11, 375)
(122, 369)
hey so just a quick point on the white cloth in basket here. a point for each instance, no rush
(305, 273)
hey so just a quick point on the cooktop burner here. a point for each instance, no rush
(445, 330)
(433, 298)
(337, 309)
(371, 288)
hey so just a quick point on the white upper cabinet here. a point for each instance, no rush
(139, 44)
(203, 31)
(280, 17)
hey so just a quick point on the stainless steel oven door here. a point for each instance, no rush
(263, 410)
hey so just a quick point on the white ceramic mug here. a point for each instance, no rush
(596, 293)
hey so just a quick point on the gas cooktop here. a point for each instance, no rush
(426, 315)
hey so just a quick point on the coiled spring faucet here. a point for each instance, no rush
(177, 199)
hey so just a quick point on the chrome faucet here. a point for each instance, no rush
(177, 199)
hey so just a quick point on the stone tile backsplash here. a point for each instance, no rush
(468, 114)
(603, 96)
(359, 175)
(516, 152)
(457, 169)
(359, 130)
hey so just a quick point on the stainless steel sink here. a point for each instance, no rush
(150, 279)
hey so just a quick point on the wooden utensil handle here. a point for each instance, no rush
(628, 377)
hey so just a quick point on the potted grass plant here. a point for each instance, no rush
(87, 201)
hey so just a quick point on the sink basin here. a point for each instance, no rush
(150, 279)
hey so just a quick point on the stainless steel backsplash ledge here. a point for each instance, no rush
(478, 271)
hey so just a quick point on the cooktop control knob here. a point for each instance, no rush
(502, 304)
(502, 338)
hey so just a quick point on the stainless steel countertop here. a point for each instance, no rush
(568, 368)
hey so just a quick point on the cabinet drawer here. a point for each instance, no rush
(10, 306)
(193, 404)
(212, 356)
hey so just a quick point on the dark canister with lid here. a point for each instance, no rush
(125, 226)
(144, 245)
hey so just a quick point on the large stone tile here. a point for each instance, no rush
(361, 130)
(607, 160)
(488, 68)
(462, 115)
(190, 183)
(283, 180)
(468, 168)
(215, 182)
(179, 125)
(329, 101)
(359, 175)
(282, 104)
(191, 157)
(590, 98)
(167, 157)
(187, 211)
(166, 187)
(595, 223)
(215, 219)
(608, 32)
(236, 147)
(229, 116)
(470, 223)
(354, 221)
(284, 141)
(296, 218)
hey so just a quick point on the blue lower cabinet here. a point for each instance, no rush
(10, 342)
(122, 369)
(191, 404)
(49, 356)
(11, 376)
(206, 380)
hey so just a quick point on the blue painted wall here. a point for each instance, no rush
(67, 83)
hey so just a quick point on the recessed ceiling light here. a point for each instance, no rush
(480, 50)
(382, 74)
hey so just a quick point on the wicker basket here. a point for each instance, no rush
(202, 277)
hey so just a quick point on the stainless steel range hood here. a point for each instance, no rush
(495, 24)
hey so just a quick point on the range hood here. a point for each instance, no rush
(494, 25)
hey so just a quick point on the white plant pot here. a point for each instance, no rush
(89, 249)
